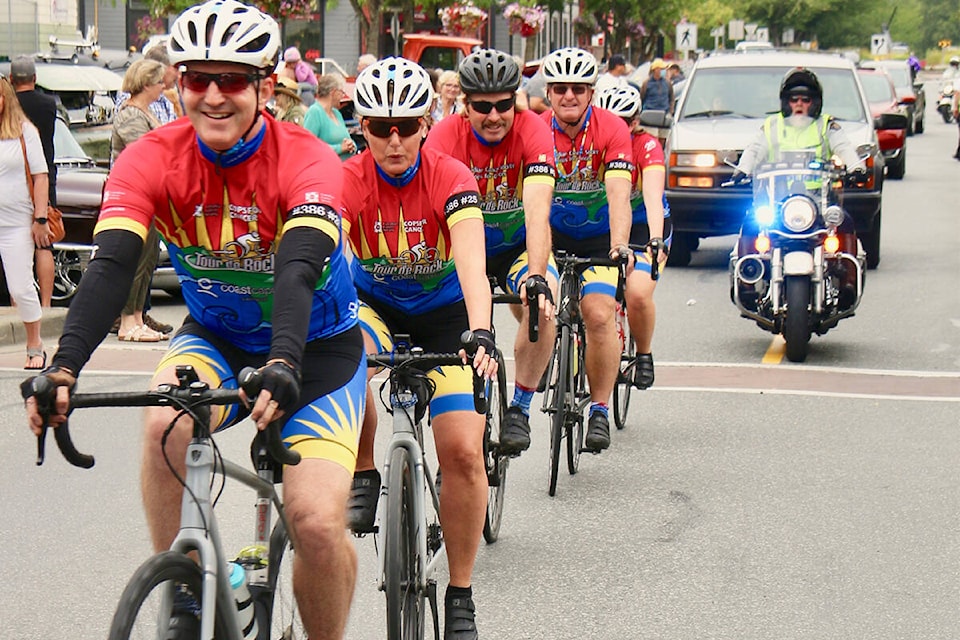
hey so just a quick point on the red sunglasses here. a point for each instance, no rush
(227, 82)
(405, 127)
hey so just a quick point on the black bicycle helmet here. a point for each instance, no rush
(801, 81)
(489, 71)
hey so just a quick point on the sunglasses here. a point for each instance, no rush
(561, 89)
(227, 82)
(385, 128)
(502, 106)
(801, 99)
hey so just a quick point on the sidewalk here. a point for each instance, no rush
(11, 329)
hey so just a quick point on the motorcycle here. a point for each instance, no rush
(794, 271)
(945, 102)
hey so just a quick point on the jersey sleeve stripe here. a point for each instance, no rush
(539, 179)
(464, 214)
(123, 223)
(320, 224)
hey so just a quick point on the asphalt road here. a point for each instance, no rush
(749, 498)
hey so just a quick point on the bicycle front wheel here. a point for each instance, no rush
(495, 462)
(405, 599)
(578, 390)
(147, 603)
(628, 362)
(282, 611)
(558, 402)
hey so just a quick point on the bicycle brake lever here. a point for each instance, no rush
(42, 445)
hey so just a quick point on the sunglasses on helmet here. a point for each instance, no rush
(227, 82)
(405, 127)
(484, 107)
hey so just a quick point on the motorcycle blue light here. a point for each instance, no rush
(764, 215)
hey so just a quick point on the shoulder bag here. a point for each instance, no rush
(54, 216)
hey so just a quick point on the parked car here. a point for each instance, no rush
(726, 99)
(911, 95)
(883, 99)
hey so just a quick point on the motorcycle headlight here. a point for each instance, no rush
(798, 213)
(763, 214)
(833, 216)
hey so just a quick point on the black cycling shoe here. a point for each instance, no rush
(185, 619)
(458, 619)
(362, 505)
(643, 371)
(514, 432)
(598, 432)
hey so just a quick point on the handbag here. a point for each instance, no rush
(54, 215)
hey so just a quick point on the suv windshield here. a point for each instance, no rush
(754, 92)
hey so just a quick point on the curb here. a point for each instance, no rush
(12, 331)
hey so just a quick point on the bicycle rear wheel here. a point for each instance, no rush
(282, 612)
(496, 464)
(146, 605)
(558, 402)
(628, 362)
(406, 603)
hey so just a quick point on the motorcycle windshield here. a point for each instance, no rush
(796, 173)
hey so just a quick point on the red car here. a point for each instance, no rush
(882, 97)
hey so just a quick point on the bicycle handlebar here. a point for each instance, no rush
(189, 394)
(419, 360)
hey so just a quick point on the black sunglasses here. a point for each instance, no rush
(227, 82)
(561, 89)
(485, 106)
(385, 128)
(803, 99)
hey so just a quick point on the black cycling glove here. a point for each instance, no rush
(283, 383)
(484, 338)
(536, 285)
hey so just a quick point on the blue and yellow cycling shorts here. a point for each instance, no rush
(326, 423)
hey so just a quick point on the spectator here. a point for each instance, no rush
(536, 93)
(675, 74)
(41, 109)
(295, 68)
(365, 61)
(167, 107)
(656, 94)
(289, 106)
(615, 75)
(324, 119)
(144, 82)
(23, 224)
(447, 101)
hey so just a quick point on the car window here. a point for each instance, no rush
(754, 92)
(899, 74)
(877, 87)
(64, 144)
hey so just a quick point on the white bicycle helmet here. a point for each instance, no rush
(623, 101)
(393, 88)
(225, 31)
(570, 65)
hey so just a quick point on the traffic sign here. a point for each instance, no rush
(686, 36)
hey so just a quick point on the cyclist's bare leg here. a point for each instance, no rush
(603, 350)
(463, 499)
(641, 309)
(368, 431)
(325, 566)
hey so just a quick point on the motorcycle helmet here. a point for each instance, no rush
(225, 31)
(489, 71)
(393, 88)
(623, 101)
(954, 61)
(801, 81)
(570, 65)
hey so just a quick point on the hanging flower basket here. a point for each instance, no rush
(524, 21)
(585, 25)
(462, 19)
(287, 9)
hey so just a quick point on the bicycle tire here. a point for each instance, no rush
(628, 362)
(496, 464)
(559, 403)
(281, 612)
(144, 590)
(405, 600)
(574, 421)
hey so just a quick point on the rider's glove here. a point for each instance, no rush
(485, 339)
(58, 376)
(283, 383)
(536, 285)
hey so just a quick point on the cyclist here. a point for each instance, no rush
(511, 155)
(249, 210)
(591, 213)
(413, 221)
(651, 223)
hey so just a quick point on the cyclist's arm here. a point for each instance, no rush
(652, 187)
(469, 254)
(621, 214)
(537, 197)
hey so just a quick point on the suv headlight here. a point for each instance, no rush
(699, 160)
(798, 213)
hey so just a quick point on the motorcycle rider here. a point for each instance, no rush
(952, 75)
(801, 125)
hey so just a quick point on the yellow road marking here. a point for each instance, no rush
(775, 351)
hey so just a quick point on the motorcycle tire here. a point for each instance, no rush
(796, 326)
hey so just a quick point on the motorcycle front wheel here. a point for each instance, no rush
(796, 327)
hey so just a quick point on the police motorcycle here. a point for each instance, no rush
(945, 101)
(802, 273)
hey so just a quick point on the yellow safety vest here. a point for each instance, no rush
(780, 137)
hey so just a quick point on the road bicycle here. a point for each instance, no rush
(410, 537)
(173, 579)
(628, 347)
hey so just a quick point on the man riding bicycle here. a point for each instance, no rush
(413, 220)
(248, 208)
(651, 222)
(511, 155)
(591, 214)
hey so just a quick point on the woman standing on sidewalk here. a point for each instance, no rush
(23, 222)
